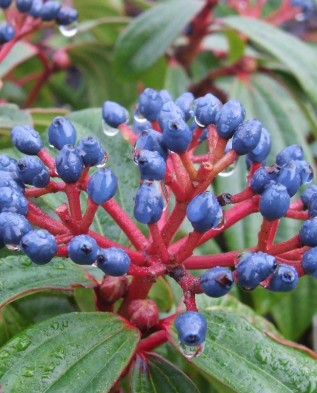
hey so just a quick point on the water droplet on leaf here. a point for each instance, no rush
(191, 351)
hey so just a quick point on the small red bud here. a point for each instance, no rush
(61, 59)
(113, 288)
(144, 314)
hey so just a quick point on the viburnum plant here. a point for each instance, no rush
(54, 209)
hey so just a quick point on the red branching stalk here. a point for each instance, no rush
(73, 196)
(158, 243)
(153, 341)
(89, 215)
(265, 234)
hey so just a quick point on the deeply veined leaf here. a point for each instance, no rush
(53, 357)
(148, 36)
(20, 277)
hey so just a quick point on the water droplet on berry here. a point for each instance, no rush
(138, 116)
(52, 147)
(108, 130)
(13, 247)
(69, 30)
(199, 123)
(134, 156)
(221, 225)
(103, 162)
(191, 351)
(229, 170)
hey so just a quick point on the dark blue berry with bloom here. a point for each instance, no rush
(139, 126)
(114, 114)
(263, 148)
(308, 233)
(13, 201)
(13, 227)
(185, 103)
(36, 8)
(113, 261)
(23, 5)
(7, 33)
(217, 282)
(6, 180)
(177, 136)
(150, 103)
(66, 16)
(308, 195)
(204, 212)
(305, 171)
(309, 262)
(289, 177)
(83, 249)
(50, 10)
(91, 151)
(289, 153)
(206, 109)
(151, 140)
(39, 245)
(61, 132)
(169, 113)
(148, 206)
(284, 279)
(229, 117)
(69, 164)
(262, 177)
(26, 139)
(5, 3)
(191, 327)
(102, 186)
(31, 170)
(274, 202)
(8, 164)
(151, 164)
(247, 136)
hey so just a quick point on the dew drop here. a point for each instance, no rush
(26, 262)
(28, 373)
(134, 156)
(4, 355)
(199, 123)
(69, 30)
(229, 170)
(59, 266)
(52, 147)
(13, 247)
(103, 162)
(23, 343)
(165, 195)
(138, 117)
(108, 130)
(221, 225)
(191, 351)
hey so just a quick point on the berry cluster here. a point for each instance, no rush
(175, 184)
(35, 12)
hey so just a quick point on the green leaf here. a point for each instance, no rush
(295, 54)
(236, 46)
(176, 80)
(21, 52)
(42, 117)
(154, 374)
(162, 294)
(11, 322)
(148, 36)
(11, 115)
(19, 277)
(77, 352)
(246, 360)
(85, 299)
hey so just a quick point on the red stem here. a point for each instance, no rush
(46, 158)
(176, 218)
(89, 215)
(187, 249)
(73, 196)
(158, 243)
(153, 341)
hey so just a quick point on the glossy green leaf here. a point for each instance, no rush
(153, 374)
(247, 360)
(21, 52)
(11, 115)
(11, 322)
(20, 277)
(295, 54)
(149, 35)
(236, 46)
(52, 356)
(85, 299)
(162, 294)
(176, 80)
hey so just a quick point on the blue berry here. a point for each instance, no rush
(23, 5)
(151, 164)
(5, 3)
(7, 180)
(289, 177)
(13, 201)
(36, 8)
(8, 164)
(165, 95)
(305, 171)
(204, 212)
(169, 112)
(149, 204)
(289, 153)
(284, 279)
(312, 208)
(229, 117)
(309, 262)
(83, 249)
(274, 202)
(151, 140)
(150, 103)
(113, 261)
(308, 233)
(177, 136)
(39, 245)
(263, 148)
(102, 185)
(69, 164)
(206, 109)
(139, 126)
(253, 268)
(66, 16)
(90, 151)
(7, 33)
(50, 10)
(246, 137)
(26, 139)
(61, 132)
(262, 177)
(13, 227)
(191, 327)
(185, 102)
(309, 195)
(114, 114)
(31, 170)
(217, 281)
